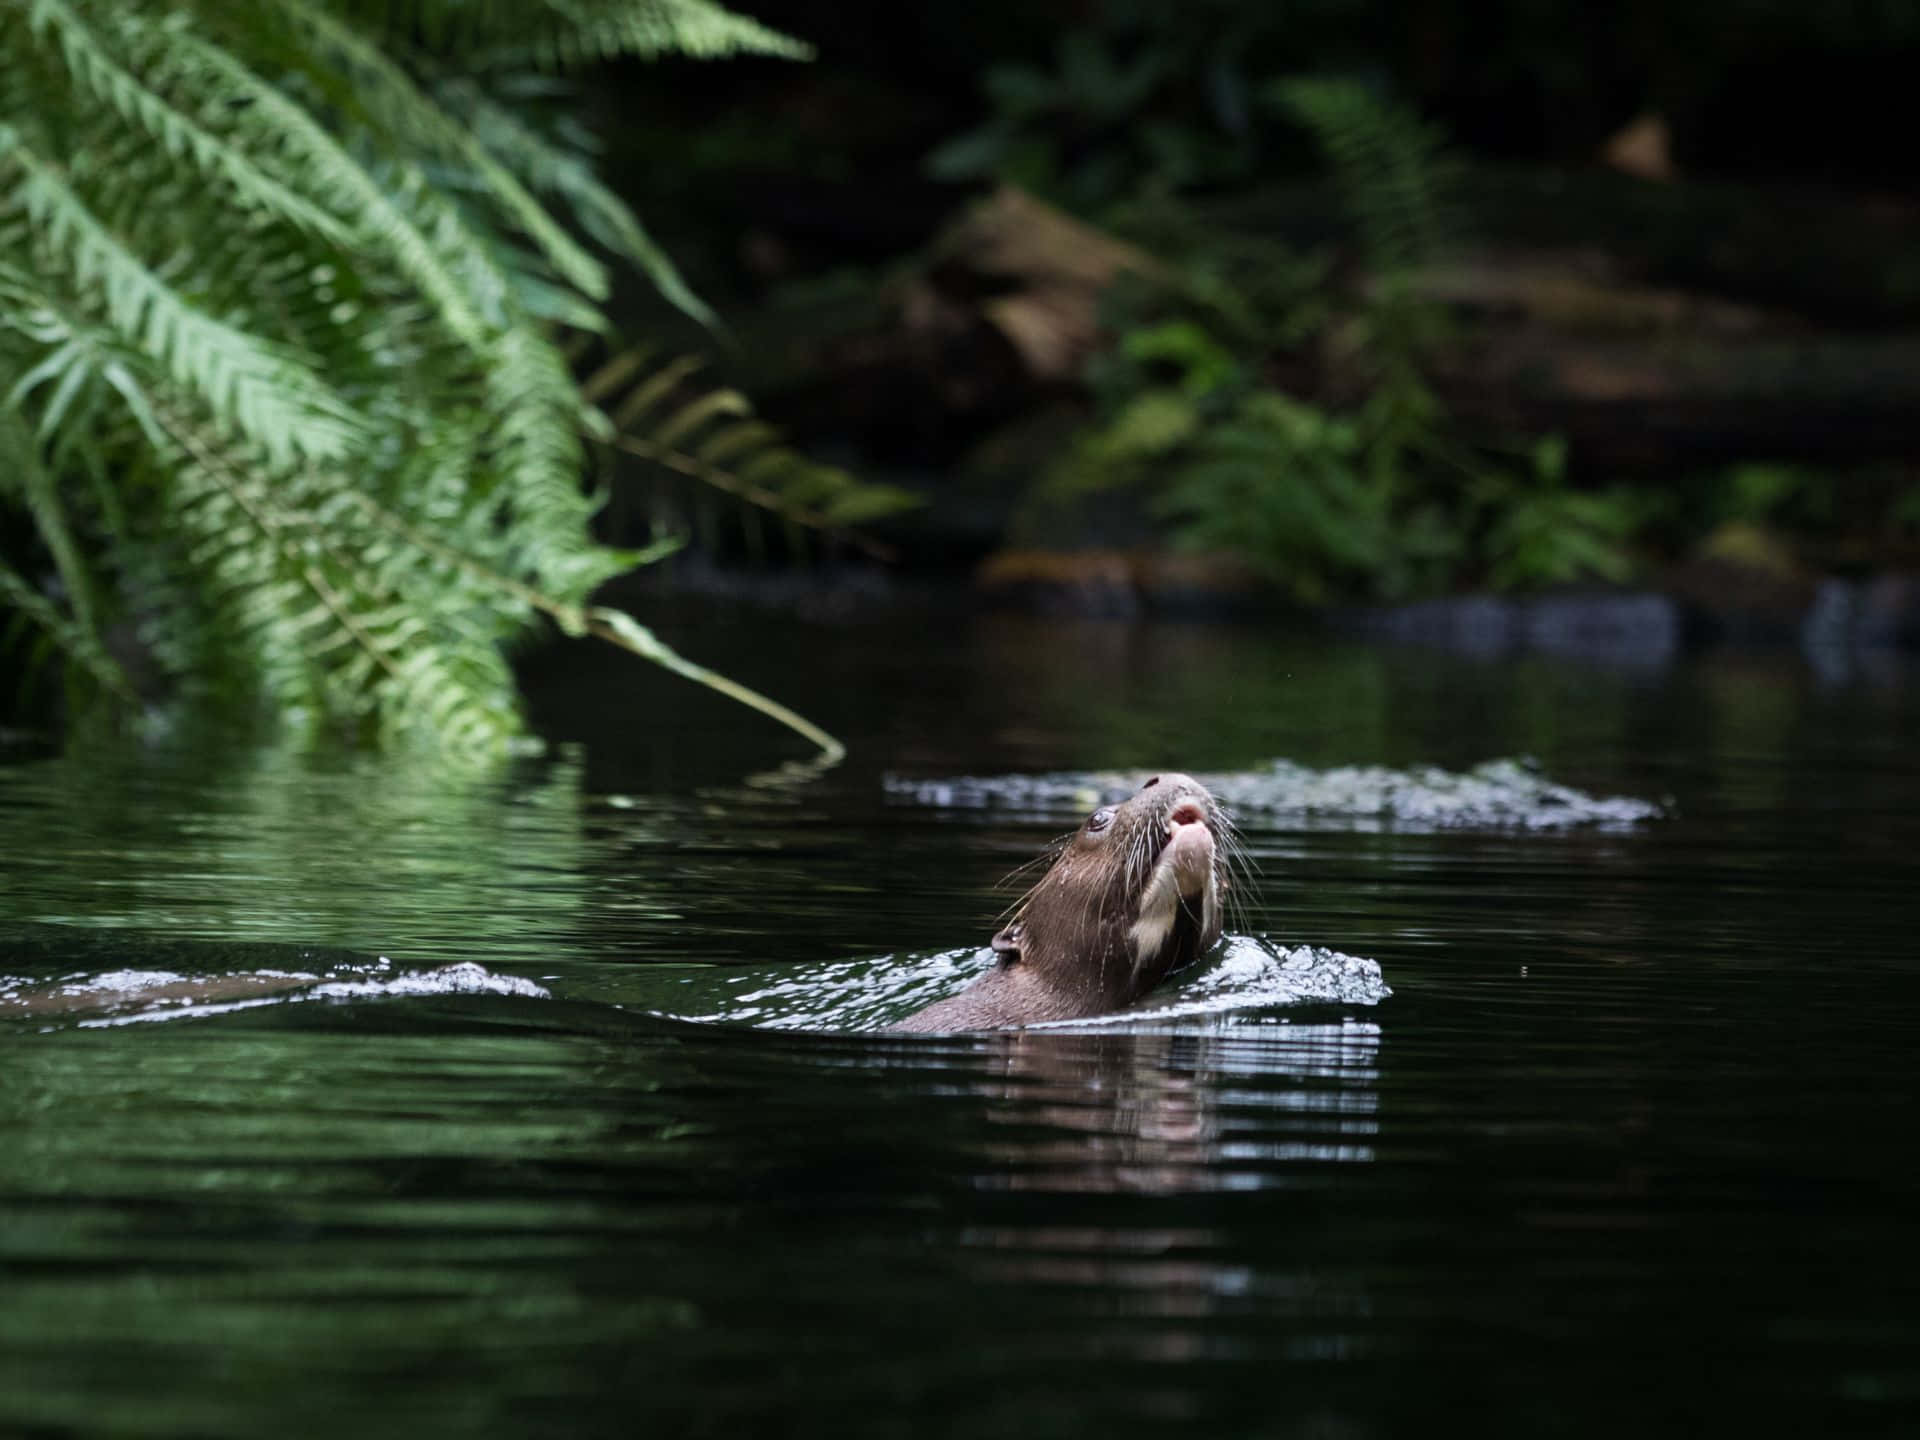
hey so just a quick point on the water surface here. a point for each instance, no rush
(1621, 1150)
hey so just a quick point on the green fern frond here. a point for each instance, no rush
(29, 480)
(97, 73)
(279, 392)
(1392, 169)
(572, 32)
(75, 642)
(334, 626)
(712, 436)
(270, 396)
(551, 170)
(579, 32)
(385, 90)
(381, 211)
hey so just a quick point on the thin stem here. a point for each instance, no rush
(614, 626)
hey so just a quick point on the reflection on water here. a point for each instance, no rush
(1169, 1113)
(1621, 1153)
(267, 845)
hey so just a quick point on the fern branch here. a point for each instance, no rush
(271, 305)
(731, 484)
(462, 718)
(327, 167)
(280, 404)
(614, 626)
(101, 76)
(76, 641)
(582, 34)
(387, 87)
(1392, 170)
(600, 212)
(623, 630)
(274, 528)
(713, 438)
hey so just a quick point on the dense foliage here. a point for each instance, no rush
(283, 290)
(1358, 483)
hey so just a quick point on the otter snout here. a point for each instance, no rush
(1185, 876)
(1189, 855)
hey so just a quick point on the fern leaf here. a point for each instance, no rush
(100, 75)
(577, 34)
(75, 641)
(381, 215)
(601, 213)
(714, 438)
(385, 88)
(1392, 170)
(284, 407)
(28, 479)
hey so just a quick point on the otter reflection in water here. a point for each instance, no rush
(1112, 1141)
(1134, 895)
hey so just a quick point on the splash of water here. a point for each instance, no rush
(1248, 980)
(1245, 980)
(1500, 794)
(133, 997)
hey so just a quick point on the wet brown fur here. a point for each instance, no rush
(1066, 953)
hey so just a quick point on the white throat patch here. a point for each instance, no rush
(1160, 907)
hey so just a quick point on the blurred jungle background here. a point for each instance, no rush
(344, 346)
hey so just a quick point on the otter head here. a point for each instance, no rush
(1134, 895)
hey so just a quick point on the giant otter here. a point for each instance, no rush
(1134, 895)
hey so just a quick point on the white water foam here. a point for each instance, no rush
(1247, 979)
(1244, 980)
(132, 987)
(1500, 794)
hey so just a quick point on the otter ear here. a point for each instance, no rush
(1007, 943)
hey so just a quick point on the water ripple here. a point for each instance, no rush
(1246, 979)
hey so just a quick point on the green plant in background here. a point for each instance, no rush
(1356, 481)
(1085, 133)
(282, 290)
(1537, 530)
(1903, 512)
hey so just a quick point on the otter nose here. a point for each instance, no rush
(1175, 783)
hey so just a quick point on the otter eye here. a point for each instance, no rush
(1100, 819)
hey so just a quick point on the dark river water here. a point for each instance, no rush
(1620, 1152)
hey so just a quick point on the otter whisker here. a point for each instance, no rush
(1043, 859)
(1239, 868)
(1050, 852)
(1048, 857)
